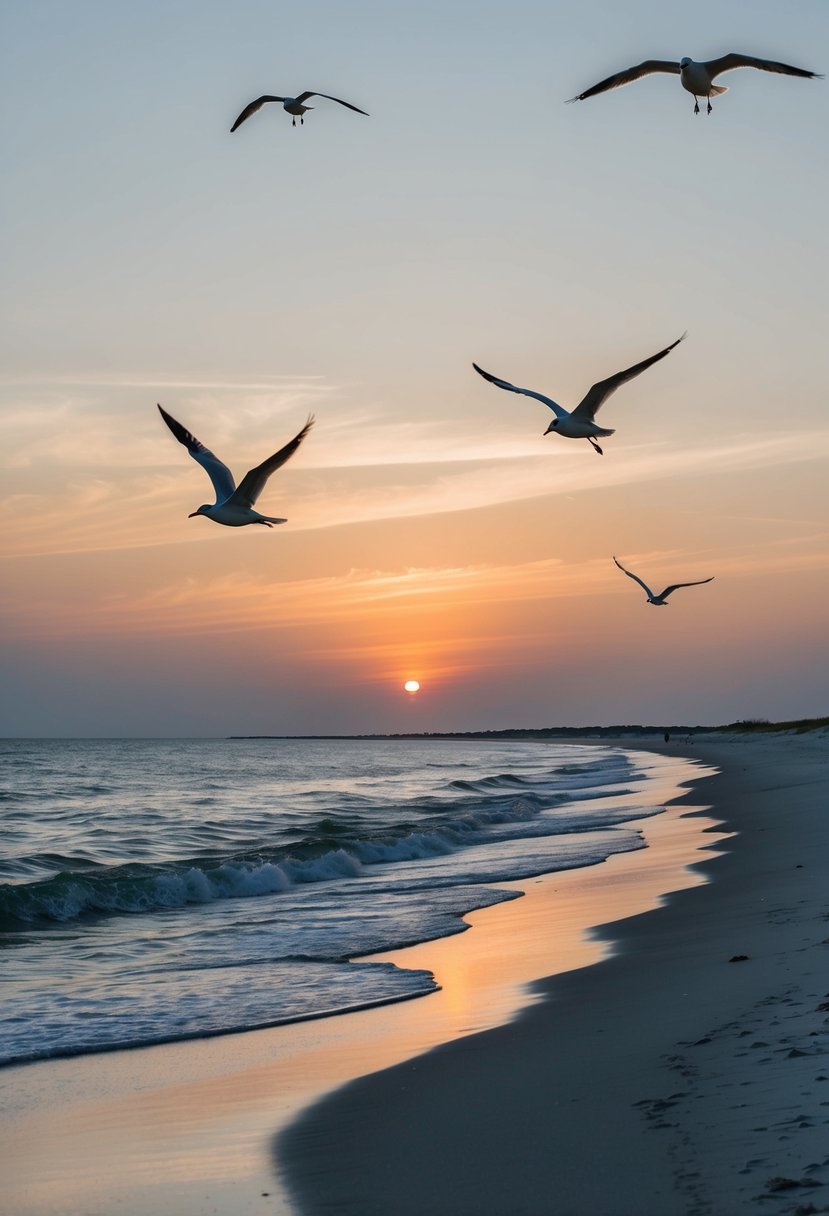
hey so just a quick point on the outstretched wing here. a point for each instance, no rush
(600, 392)
(219, 473)
(558, 410)
(303, 97)
(252, 108)
(676, 586)
(647, 68)
(726, 63)
(636, 579)
(253, 483)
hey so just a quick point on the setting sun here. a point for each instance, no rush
(412, 686)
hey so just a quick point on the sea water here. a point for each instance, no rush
(158, 890)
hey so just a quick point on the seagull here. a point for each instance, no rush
(579, 424)
(660, 600)
(234, 507)
(697, 78)
(291, 105)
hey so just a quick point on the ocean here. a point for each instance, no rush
(154, 890)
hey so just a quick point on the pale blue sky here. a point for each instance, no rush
(356, 267)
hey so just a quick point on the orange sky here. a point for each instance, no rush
(433, 533)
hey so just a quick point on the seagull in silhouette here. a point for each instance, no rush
(579, 424)
(660, 600)
(292, 105)
(234, 506)
(697, 78)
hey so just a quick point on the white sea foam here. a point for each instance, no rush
(216, 886)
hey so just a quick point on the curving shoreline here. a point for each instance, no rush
(665, 1080)
(191, 1125)
(634, 1085)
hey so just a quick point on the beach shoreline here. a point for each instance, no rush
(687, 1073)
(461, 1079)
(195, 1121)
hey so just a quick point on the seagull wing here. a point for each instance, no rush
(630, 74)
(727, 63)
(675, 586)
(219, 473)
(253, 483)
(636, 579)
(303, 97)
(600, 392)
(557, 409)
(252, 108)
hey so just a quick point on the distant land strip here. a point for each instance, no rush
(744, 726)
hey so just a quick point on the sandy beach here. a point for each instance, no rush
(669, 1078)
(650, 1074)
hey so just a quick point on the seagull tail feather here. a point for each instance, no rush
(716, 89)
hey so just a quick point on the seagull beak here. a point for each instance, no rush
(193, 515)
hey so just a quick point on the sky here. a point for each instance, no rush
(354, 268)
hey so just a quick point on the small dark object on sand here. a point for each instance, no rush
(738, 958)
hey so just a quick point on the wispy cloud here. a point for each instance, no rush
(64, 428)
(239, 602)
(96, 380)
(123, 509)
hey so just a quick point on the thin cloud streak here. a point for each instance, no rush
(277, 383)
(150, 509)
(64, 433)
(241, 603)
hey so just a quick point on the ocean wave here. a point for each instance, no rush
(201, 1005)
(226, 886)
(500, 781)
(137, 888)
(332, 850)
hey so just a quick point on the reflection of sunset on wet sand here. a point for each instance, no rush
(165, 1113)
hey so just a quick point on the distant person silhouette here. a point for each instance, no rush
(667, 737)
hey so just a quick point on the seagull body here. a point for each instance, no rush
(291, 105)
(234, 506)
(660, 601)
(696, 78)
(580, 423)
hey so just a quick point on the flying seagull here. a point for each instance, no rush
(579, 424)
(234, 507)
(660, 600)
(292, 105)
(697, 78)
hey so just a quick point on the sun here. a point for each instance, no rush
(412, 686)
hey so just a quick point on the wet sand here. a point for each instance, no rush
(196, 1127)
(685, 1075)
(650, 1074)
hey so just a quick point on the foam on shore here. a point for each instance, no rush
(663, 1080)
(686, 1073)
(194, 1125)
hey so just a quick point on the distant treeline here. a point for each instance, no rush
(545, 732)
(745, 725)
(514, 732)
(800, 726)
